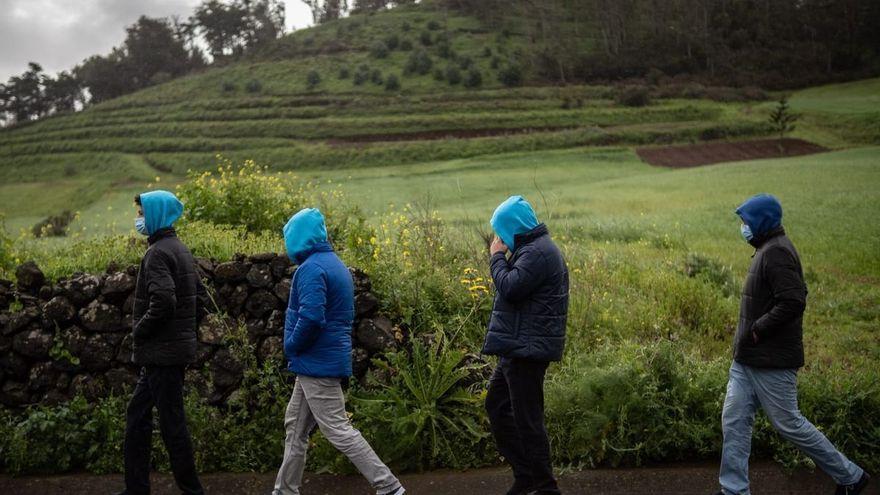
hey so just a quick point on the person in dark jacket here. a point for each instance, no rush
(168, 305)
(768, 350)
(527, 332)
(317, 346)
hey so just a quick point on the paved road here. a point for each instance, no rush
(680, 479)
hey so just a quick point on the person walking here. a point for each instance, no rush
(317, 346)
(169, 303)
(527, 331)
(768, 350)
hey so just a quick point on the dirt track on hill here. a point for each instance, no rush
(441, 134)
(681, 479)
(694, 155)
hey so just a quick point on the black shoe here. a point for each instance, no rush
(520, 487)
(854, 489)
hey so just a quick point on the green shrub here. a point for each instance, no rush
(495, 63)
(360, 78)
(487, 52)
(634, 96)
(424, 414)
(433, 25)
(344, 73)
(253, 86)
(474, 78)
(444, 50)
(439, 75)
(465, 63)
(392, 41)
(453, 76)
(405, 26)
(227, 86)
(376, 77)
(313, 78)
(712, 271)
(426, 39)
(406, 45)
(392, 83)
(511, 75)
(7, 260)
(379, 49)
(419, 62)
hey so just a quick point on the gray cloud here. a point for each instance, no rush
(59, 34)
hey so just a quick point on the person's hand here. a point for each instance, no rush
(497, 246)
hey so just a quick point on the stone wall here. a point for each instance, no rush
(88, 317)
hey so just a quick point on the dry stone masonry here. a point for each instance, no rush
(73, 336)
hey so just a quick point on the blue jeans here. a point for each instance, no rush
(775, 390)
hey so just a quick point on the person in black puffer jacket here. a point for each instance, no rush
(168, 306)
(527, 331)
(768, 351)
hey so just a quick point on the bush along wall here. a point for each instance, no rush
(72, 337)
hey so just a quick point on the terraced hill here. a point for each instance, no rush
(320, 98)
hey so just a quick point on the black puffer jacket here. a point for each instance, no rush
(773, 301)
(531, 300)
(168, 305)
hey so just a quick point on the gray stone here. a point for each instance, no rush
(14, 366)
(259, 276)
(29, 277)
(101, 317)
(365, 305)
(14, 394)
(261, 303)
(279, 266)
(275, 323)
(376, 334)
(118, 285)
(91, 387)
(34, 343)
(99, 352)
(42, 376)
(226, 370)
(120, 381)
(282, 290)
(19, 321)
(124, 354)
(59, 309)
(81, 289)
(231, 271)
(212, 329)
(272, 347)
(360, 361)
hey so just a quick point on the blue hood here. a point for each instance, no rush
(161, 210)
(304, 232)
(762, 213)
(512, 217)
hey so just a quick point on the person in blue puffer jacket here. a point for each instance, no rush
(317, 346)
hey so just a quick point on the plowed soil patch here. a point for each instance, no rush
(694, 155)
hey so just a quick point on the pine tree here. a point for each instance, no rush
(782, 121)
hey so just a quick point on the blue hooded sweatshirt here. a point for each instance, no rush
(762, 213)
(513, 217)
(161, 210)
(320, 310)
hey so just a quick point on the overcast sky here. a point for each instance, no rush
(58, 34)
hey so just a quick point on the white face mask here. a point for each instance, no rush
(746, 232)
(140, 224)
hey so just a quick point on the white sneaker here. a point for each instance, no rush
(400, 491)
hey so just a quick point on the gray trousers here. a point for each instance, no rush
(320, 401)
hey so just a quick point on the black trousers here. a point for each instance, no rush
(515, 403)
(162, 387)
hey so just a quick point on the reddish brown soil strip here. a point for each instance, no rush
(441, 134)
(694, 155)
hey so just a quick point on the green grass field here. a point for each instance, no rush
(655, 254)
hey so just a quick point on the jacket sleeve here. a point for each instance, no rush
(311, 303)
(788, 291)
(517, 281)
(161, 292)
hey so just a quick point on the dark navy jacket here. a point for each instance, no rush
(531, 300)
